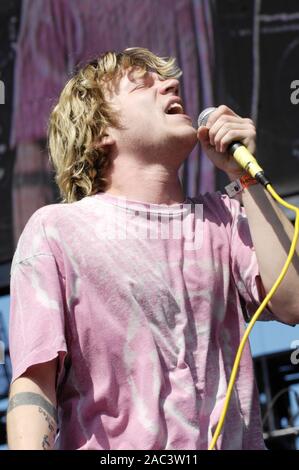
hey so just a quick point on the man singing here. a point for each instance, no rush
(124, 326)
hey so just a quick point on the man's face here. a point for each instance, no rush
(154, 126)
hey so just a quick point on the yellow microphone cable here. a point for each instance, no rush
(257, 313)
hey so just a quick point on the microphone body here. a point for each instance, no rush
(239, 152)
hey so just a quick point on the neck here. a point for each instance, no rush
(155, 183)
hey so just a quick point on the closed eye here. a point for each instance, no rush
(136, 88)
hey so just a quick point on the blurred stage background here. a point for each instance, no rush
(243, 53)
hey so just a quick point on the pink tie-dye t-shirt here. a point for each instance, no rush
(142, 304)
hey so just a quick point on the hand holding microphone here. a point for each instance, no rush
(224, 125)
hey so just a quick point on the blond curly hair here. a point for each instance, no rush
(78, 121)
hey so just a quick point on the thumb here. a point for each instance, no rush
(203, 136)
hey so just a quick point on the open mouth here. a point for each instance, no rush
(174, 108)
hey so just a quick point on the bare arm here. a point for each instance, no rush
(271, 233)
(31, 414)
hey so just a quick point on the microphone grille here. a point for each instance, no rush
(204, 115)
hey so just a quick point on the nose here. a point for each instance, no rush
(169, 85)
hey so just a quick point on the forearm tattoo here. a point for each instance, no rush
(45, 408)
(46, 444)
(29, 398)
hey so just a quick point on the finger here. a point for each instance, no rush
(220, 111)
(232, 135)
(245, 133)
(227, 122)
(203, 134)
(203, 137)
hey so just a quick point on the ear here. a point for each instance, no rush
(106, 142)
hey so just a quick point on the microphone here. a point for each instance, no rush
(239, 152)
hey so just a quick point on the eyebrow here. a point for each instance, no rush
(130, 85)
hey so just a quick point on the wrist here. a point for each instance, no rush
(237, 186)
(236, 175)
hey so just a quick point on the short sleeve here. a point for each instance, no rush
(244, 265)
(36, 328)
